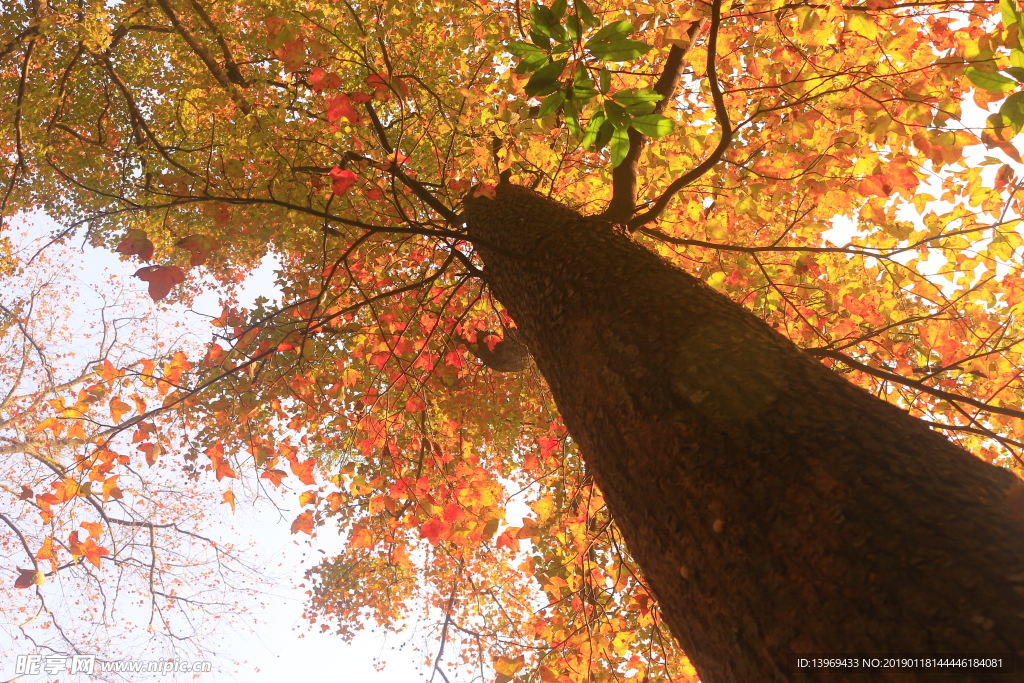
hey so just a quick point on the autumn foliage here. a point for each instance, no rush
(851, 192)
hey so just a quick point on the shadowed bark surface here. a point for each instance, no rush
(774, 507)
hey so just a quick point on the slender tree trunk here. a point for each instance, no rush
(774, 507)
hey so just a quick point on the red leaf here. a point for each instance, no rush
(433, 531)
(136, 243)
(28, 578)
(199, 246)
(303, 523)
(340, 106)
(341, 180)
(379, 83)
(161, 279)
(321, 80)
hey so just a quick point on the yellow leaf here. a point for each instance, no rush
(118, 408)
(861, 24)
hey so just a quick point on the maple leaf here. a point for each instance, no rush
(229, 498)
(136, 243)
(200, 247)
(322, 80)
(28, 578)
(95, 529)
(341, 180)
(303, 523)
(161, 279)
(434, 530)
(93, 552)
(340, 106)
(304, 471)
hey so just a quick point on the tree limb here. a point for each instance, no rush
(721, 115)
(204, 54)
(623, 202)
(920, 386)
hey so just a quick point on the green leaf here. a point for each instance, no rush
(604, 80)
(638, 101)
(620, 146)
(1012, 111)
(603, 136)
(989, 81)
(616, 114)
(558, 9)
(572, 118)
(524, 49)
(540, 38)
(593, 126)
(532, 63)
(585, 14)
(545, 77)
(619, 51)
(1017, 57)
(1010, 13)
(611, 32)
(573, 26)
(1016, 72)
(544, 22)
(583, 91)
(550, 104)
(653, 125)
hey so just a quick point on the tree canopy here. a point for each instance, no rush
(828, 165)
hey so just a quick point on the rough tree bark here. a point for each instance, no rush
(774, 507)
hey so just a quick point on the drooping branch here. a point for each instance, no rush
(721, 115)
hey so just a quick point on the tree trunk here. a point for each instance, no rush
(774, 507)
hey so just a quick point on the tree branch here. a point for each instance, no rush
(623, 202)
(204, 54)
(920, 386)
(721, 115)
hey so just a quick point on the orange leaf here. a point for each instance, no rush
(225, 470)
(93, 552)
(94, 528)
(304, 471)
(229, 498)
(118, 408)
(161, 279)
(110, 489)
(303, 523)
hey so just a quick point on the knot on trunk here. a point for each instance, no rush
(507, 355)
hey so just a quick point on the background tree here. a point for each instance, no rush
(383, 162)
(108, 552)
